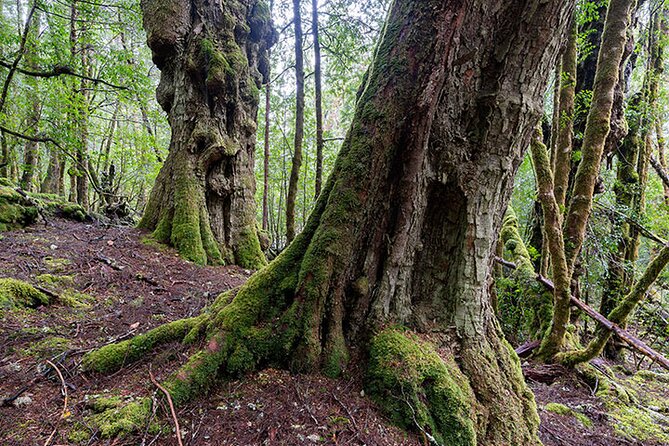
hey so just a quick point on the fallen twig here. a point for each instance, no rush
(64, 412)
(169, 401)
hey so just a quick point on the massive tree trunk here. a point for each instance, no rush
(212, 58)
(403, 232)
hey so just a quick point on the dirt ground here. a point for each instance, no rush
(135, 286)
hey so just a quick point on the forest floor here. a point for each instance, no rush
(112, 285)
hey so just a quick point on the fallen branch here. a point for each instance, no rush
(64, 412)
(169, 401)
(633, 341)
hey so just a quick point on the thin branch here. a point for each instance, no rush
(60, 70)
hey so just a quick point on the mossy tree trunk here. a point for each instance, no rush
(566, 247)
(427, 167)
(213, 60)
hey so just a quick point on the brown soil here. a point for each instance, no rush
(137, 286)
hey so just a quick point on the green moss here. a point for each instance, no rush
(247, 252)
(639, 424)
(413, 385)
(48, 347)
(118, 417)
(16, 293)
(15, 210)
(561, 409)
(112, 357)
(56, 264)
(55, 280)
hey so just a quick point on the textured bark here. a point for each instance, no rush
(213, 60)
(426, 171)
(299, 125)
(597, 126)
(318, 98)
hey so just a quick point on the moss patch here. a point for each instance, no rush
(115, 417)
(561, 409)
(415, 387)
(16, 293)
(48, 347)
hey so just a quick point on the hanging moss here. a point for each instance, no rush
(16, 293)
(414, 386)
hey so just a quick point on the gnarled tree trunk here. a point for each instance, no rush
(404, 231)
(212, 58)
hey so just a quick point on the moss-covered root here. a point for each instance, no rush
(16, 293)
(113, 357)
(420, 390)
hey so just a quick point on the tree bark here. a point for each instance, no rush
(404, 231)
(299, 125)
(213, 60)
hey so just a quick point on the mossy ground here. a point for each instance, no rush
(16, 294)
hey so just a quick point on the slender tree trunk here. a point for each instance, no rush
(30, 173)
(598, 124)
(564, 254)
(318, 98)
(565, 130)
(5, 162)
(404, 232)
(211, 71)
(266, 152)
(82, 127)
(299, 125)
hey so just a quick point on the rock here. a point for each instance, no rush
(315, 438)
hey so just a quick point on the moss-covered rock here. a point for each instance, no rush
(16, 293)
(417, 388)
